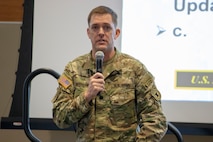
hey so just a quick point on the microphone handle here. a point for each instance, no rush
(99, 64)
(100, 96)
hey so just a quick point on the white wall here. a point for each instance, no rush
(59, 36)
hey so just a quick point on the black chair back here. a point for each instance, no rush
(172, 128)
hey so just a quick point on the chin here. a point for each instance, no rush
(102, 48)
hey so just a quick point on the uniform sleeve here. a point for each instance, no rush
(152, 124)
(68, 109)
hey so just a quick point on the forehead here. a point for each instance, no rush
(101, 19)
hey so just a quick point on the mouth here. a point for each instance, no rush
(101, 41)
(101, 44)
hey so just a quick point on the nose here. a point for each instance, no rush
(101, 32)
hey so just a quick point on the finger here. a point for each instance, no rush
(98, 75)
(97, 81)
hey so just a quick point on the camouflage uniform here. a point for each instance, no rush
(130, 110)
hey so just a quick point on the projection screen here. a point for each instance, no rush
(171, 37)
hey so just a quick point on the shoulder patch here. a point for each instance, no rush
(64, 81)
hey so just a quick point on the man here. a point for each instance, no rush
(128, 108)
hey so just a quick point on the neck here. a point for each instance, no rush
(108, 54)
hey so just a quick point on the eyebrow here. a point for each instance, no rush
(101, 24)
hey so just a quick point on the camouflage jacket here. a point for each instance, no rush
(130, 110)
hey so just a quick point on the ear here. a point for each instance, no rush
(88, 33)
(117, 33)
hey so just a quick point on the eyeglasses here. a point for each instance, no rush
(96, 28)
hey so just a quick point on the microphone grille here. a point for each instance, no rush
(99, 55)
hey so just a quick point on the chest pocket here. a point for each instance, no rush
(81, 81)
(122, 100)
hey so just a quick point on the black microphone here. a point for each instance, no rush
(99, 56)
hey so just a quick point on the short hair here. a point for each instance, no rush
(103, 10)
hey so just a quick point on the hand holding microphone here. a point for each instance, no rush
(96, 82)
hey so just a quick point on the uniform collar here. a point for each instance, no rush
(89, 64)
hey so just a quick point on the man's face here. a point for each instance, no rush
(102, 32)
